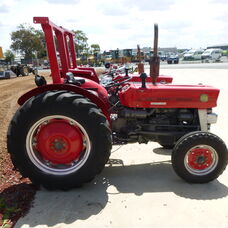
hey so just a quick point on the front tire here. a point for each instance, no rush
(199, 157)
(59, 140)
(35, 71)
(24, 71)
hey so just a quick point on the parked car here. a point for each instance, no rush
(7, 74)
(173, 58)
(211, 55)
(193, 55)
(163, 55)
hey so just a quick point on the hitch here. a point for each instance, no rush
(155, 59)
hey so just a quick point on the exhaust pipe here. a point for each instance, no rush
(140, 64)
(155, 59)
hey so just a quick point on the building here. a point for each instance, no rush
(223, 46)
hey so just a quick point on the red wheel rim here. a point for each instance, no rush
(58, 145)
(201, 160)
(59, 142)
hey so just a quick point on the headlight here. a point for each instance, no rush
(204, 97)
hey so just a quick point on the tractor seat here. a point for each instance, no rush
(70, 79)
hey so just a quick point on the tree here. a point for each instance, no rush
(41, 46)
(95, 49)
(9, 56)
(27, 40)
(81, 44)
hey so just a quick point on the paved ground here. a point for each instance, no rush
(195, 65)
(139, 188)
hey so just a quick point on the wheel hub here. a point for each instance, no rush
(59, 145)
(59, 142)
(200, 158)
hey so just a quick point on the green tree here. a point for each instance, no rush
(225, 52)
(41, 44)
(81, 45)
(95, 48)
(9, 56)
(28, 41)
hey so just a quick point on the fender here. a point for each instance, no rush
(73, 88)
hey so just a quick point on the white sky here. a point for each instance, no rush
(125, 23)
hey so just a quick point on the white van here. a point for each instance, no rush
(193, 55)
(211, 55)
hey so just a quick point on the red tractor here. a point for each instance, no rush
(62, 134)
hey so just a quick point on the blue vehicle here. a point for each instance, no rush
(173, 58)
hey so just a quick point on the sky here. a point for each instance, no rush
(125, 23)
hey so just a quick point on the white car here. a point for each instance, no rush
(211, 55)
(7, 74)
(193, 55)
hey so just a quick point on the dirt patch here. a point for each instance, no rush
(16, 192)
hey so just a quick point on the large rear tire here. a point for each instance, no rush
(59, 140)
(199, 157)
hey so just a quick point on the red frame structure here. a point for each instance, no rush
(132, 95)
(65, 44)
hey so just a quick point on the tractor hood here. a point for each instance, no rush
(169, 96)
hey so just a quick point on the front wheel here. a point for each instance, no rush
(59, 140)
(34, 71)
(24, 71)
(199, 157)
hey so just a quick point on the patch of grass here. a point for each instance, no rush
(7, 212)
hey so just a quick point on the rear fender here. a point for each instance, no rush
(72, 88)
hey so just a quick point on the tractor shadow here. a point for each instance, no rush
(162, 151)
(53, 207)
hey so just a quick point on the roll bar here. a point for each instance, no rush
(64, 45)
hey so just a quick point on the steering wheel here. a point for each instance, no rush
(116, 84)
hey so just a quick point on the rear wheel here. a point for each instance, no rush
(199, 157)
(59, 140)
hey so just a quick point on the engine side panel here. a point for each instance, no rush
(169, 96)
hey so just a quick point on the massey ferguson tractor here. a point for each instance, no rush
(63, 132)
